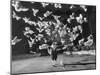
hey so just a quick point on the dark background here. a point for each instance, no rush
(18, 25)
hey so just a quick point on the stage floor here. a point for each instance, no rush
(44, 64)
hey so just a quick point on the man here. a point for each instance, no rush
(54, 56)
(54, 53)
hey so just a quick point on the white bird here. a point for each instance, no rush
(41, 18)
(84, 7)
(15, 16)
(15, 40)
(44, 4)
(40, 30)
(57, 5)
(18, 7)
(47, 13)
(35, 11)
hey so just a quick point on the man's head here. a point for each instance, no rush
(54, 43)
(27, 28)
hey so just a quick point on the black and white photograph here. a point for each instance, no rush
(52, 37)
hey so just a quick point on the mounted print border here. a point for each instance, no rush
(52, 37)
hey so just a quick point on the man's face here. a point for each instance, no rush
(27, 28)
